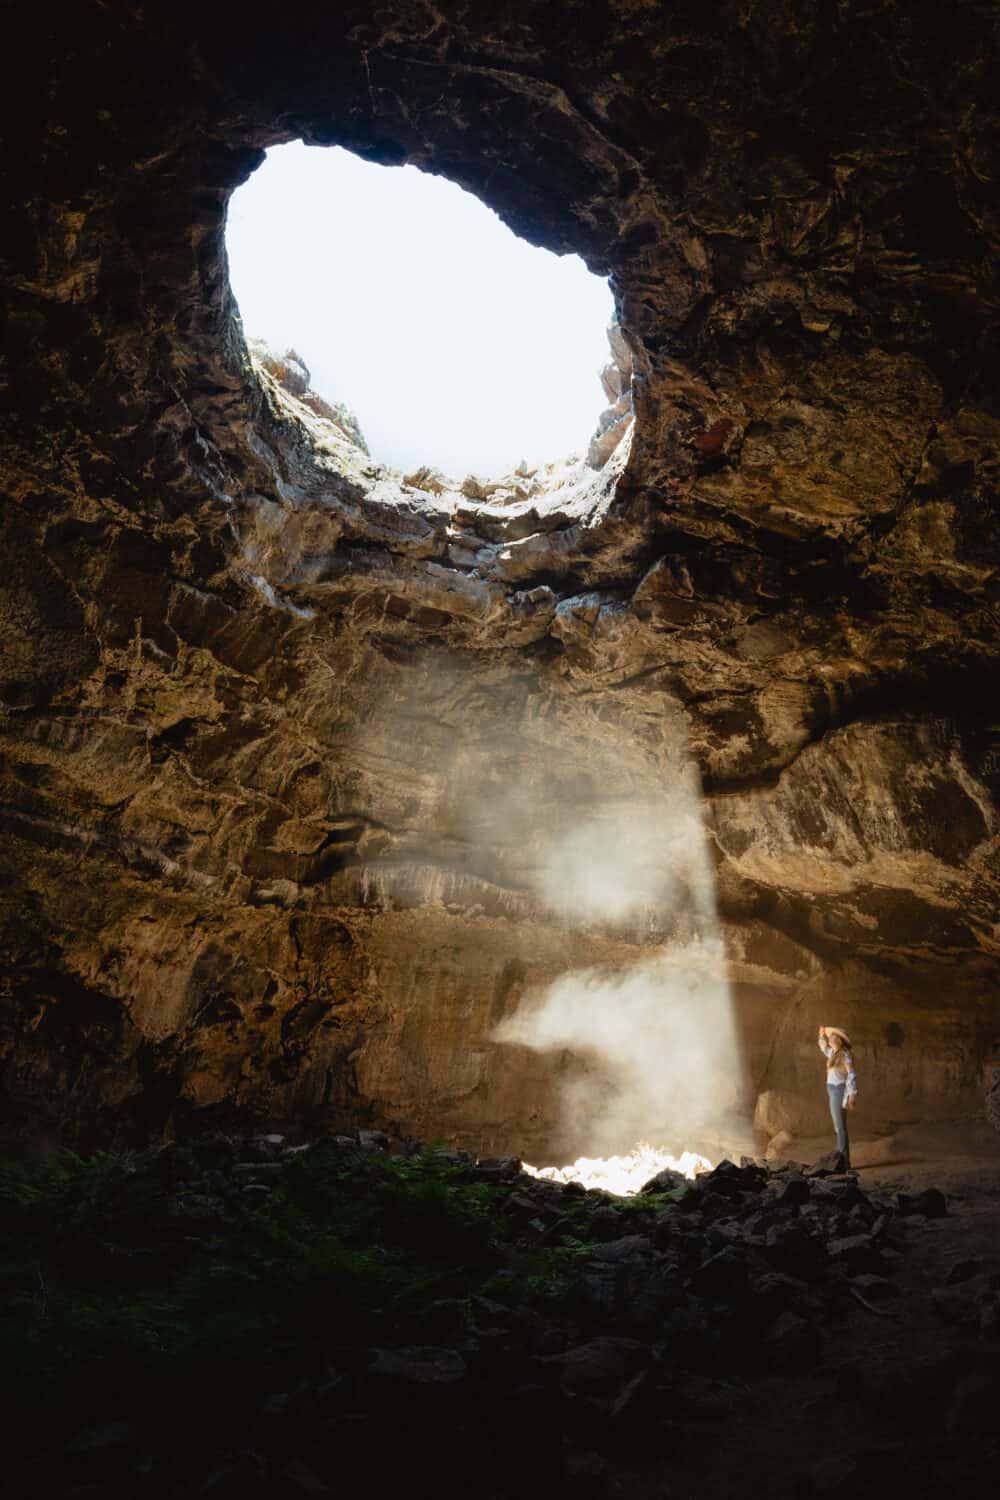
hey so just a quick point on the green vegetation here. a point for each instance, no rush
(189, 1263)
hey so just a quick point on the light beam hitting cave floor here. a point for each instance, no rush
(624, 1175)
(655, 1038)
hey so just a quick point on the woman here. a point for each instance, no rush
(841, 1082)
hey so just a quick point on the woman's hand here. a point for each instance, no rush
(849, 1103)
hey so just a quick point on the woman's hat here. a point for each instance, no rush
(839, 1031)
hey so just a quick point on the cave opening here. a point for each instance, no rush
(403, 309)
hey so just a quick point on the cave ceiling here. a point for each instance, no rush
(244, 668)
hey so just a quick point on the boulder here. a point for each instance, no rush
(930, 1204)
(498, 1168)
(730, 1181)
(723, 1275)
(793, 1189)
(790, 1247)
(373, 1140)
(629, 1248)
(667, 1181)
(834, 1163)
(858, 1252)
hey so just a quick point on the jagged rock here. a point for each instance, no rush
(498, 1168)
(666, 1181)
(426, 478)
(292, 373)
(791, 1248)
(859, 1252)
(722, 1275)
(833, 1164)
(793, 1190)
(624, 1279)
(374, 1140)
(730, 1180)
(630, 1247)
(931, 1203)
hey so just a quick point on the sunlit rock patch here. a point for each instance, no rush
(624, 1175)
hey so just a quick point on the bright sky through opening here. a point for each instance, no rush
(455, 343)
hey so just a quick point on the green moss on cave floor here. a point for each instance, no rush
(192, 1270)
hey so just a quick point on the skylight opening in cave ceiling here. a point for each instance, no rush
(456, 344)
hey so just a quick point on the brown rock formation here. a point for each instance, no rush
(265, 705)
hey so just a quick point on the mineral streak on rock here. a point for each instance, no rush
(236, 886)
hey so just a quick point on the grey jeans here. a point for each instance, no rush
(839, 1116)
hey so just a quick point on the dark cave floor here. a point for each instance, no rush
(682, 1359)
(913, 1393)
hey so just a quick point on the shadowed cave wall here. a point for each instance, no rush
(257, 692)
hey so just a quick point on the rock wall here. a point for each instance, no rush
(286, 737)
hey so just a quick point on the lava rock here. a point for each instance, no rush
(630, 1248)
(731, 1181)
(374, 1140)
(794, 1190)
(858, 1252)
(931, 1204)
(790, 1247)
(722, 1275)
(666, 1181)
(604, 1222)
(834, 1163)
(498, 1168)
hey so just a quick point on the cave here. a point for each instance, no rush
(305, 759)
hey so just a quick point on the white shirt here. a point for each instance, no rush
(842, 1071)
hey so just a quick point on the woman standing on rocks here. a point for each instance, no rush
(841, 1082)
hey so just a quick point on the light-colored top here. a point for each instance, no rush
(842, 1071)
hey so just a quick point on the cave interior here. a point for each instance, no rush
(319, 780)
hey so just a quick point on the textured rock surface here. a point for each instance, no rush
(265, 705)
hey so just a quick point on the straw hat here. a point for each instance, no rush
(839, 1031)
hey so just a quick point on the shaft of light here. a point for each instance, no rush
(624, 1175)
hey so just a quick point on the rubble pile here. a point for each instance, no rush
(266, 1318)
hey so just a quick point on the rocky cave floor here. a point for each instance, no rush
(236, 1317)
